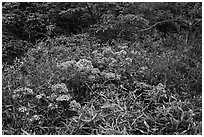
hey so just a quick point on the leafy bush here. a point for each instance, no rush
(121, 77)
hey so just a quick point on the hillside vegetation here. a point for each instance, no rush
(101, 68)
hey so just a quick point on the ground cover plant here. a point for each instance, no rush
(102, 68)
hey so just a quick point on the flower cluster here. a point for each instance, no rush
(160, 88)
(64, 98)
(81, 65)
(52, 106)
(52, 97)
(40, 96)
(17, 93)
(22, 109)
(60, 88)
(110, 75)
(84, 65)
(25, 91)
(35, 118)
(75, 105)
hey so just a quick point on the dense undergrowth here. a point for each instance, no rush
(94, 89)
(88, 84)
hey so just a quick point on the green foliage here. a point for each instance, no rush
(124, 76)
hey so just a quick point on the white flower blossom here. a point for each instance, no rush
(60, 88)
(40, 96)
(25, 91)
(51, 106)
(84, 65)
(22, 109)
(111, 75)
(64, 98)
(35, 118)
(161, 87)
(75, 105)
(53, 96)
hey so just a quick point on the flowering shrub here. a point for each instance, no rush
(123, 75)
(59, 88)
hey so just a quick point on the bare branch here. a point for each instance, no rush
(161, 22)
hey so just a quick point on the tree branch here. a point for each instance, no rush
(161, 22)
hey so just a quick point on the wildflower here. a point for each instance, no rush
(53, 96)
(51, 106)
(75, 105)
(22, 109)
(160, 87)
(84, 64)
(25, 91)
(67, 64)
(60, 88)
(39, 96)
(64, 98)
(35, 118)
(111, 75)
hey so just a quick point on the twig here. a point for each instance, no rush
(161, 22)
